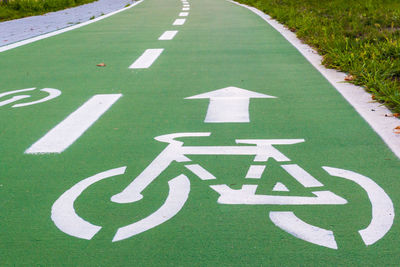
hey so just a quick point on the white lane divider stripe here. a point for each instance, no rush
(146, 59)
(185, 9)
(183, 14)
(186, 6)
(71, 128)
(168, 35)
(255, 171)
(202, 173)
(178, 22)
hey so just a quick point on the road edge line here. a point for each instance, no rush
(57, 32)
(356, 96)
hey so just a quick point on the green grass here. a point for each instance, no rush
(14, 9)
(360, 37)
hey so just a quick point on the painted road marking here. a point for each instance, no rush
(64, 215)
(185, 9)
(146, 59)
(183, 14)
(168, 35)
(247, 196)
(179, 22)
(71, 128)
(179, 189)
(279, 187)
(289, 222)
(382, 205)
(53, 93)
(202, 173)
(13, 99)
(229, 104)
(186, 5)
(255, 171)
(301, 175)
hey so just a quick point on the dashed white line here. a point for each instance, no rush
(146, 59)
(168, 35)
(178, 22)
(185, 9)
(71, 128)
(183, 14)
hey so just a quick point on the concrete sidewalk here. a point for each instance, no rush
(21, 29)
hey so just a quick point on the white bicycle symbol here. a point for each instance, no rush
(68, 221)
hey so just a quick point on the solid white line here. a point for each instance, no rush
(301, 175)
(183, 14)
(372, 113)
(168, 35)
(202, 173)
(178, 22)
(146, 59)
(255, 171)
(47, 35)
(71, 128)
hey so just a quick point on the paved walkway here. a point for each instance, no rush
(21, 29)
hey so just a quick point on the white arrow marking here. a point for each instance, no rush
(229, 104)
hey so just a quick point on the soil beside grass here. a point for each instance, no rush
(14, 9)
(360, 37)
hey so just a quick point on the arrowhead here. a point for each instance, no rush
(230, 92)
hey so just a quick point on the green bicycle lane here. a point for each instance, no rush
(220, 45)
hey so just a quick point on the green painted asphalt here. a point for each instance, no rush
(220, 45)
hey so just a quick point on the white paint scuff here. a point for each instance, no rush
(373, 113)
(71, 128)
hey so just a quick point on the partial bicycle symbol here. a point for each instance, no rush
(67, 220)
(52, 93)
